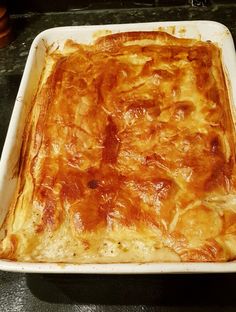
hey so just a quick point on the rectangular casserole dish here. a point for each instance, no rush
(54, 38)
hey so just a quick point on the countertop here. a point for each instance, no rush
(42, 292)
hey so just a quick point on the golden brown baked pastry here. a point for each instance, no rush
(128, 156)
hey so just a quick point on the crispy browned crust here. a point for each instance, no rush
(128, 156)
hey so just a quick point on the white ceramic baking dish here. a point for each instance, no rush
(55, 37)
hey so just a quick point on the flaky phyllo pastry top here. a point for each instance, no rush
(128, 155)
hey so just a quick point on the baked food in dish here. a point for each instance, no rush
(128, 155)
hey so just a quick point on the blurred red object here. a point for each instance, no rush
(5, 28)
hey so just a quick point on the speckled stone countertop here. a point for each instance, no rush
(28, 292)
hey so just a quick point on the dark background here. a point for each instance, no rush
(42, 292)
(22, 6)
